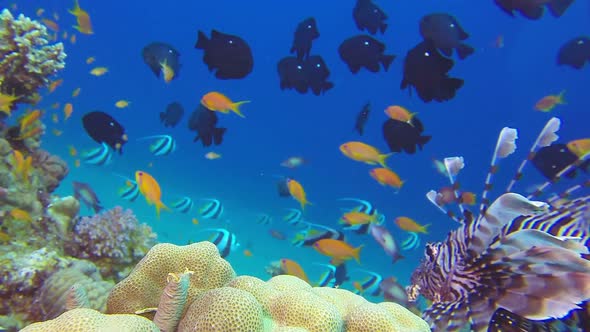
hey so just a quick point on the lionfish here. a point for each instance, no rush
(519, 259)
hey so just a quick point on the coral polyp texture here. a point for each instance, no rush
(113, 239)
(191, 288)
(27, 61)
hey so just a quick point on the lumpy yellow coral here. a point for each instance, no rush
(26, 60)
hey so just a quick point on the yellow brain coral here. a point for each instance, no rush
(83, 320)
(144, 286)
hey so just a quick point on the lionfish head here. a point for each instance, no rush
(427, 279)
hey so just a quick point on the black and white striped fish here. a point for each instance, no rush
(370, 285)
(364, 207)
(411, 242)
(101, 155)
(224, 240)
(311, 235)
(183, 205)
(211, 210)
(335, 276)
(264, 219)
(523, 256)
(163, 145)
(130, 191)
(294, 217)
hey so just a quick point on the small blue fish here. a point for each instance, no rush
(183, 205)
(371, 284)
(211, 210)
(293, 217)
(162, 146)
(264, 219)
(411, 242)
(130, 191)
(224, 240)
(101, 155)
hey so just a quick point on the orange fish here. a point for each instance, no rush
(547, 103)
(386, 177)
(150, 189)
(400, 114)
(90, 60)
(195, 221)
(73, 39)
(358, 218)
(72, 151)
(366, 153)
(248, 253)
(298, 193)
(467, 198)
(82, 18)
(22, 166)
(77, 162)
(218, 102)
(53, 26)
(68, 110)
(579, 147)
(409, 225)
(76, 92)
(40, 11)
(28, 120)
(99, 71)
(53, 85)
(338, 250)
(293, 268)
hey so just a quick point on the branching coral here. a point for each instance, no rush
(26, 60)
(114, 239)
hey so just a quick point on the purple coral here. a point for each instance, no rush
(115, 234)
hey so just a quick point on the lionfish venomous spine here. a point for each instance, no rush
(518, 256)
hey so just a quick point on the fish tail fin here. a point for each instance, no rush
(397, 257)
(464, 50)
(74, 11)
(560, 97)
(160, 206)
(386, 61)
(356, 253)
(202, 41)
(383, 157)
(218, 135)
(423, 140)
(425, 228)
(236, 107)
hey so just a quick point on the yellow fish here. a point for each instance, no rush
(296, 190)
(20, 214)
(99, 71)
(366, 153)
(150, 189)
(122, 103)
(409, 225)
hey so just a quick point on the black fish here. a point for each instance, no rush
(361, 118)
(304, 75)
(364, 51)
(446, 34)
(292, 74)
(282, 187)
(426, 71)
(204, 122)
(306, 32)
(575, 53)
(102, 127)
(316, 73)
(229, 55)
(156, 54)
(533, 9)
(173, 114)
(369, 16)
(405, 136)
(552, 159)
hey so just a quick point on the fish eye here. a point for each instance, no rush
(318, 65)
(231, 41)
(452, 25)
(580, 42)
(426, 53)
(111, 124)
(309, 26)
(140, 173)
(366, 43)
(299, 67)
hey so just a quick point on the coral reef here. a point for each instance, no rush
(208, 297)
(27, 61)
(113, 239)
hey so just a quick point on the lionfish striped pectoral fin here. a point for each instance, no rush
(536, 275)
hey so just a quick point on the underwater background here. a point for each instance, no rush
(502, 85)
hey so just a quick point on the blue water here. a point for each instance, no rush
(501, 87)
